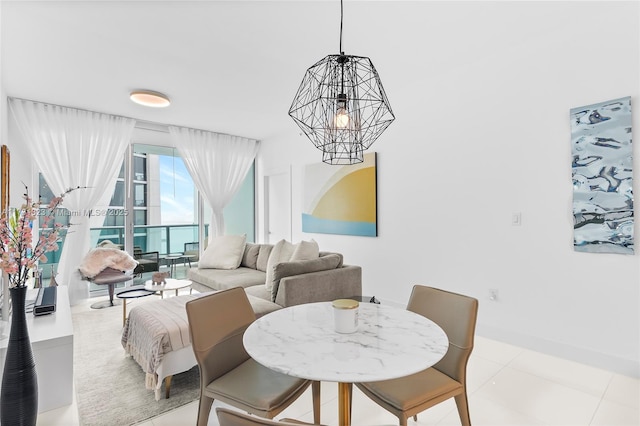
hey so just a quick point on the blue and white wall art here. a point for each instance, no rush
(602, 171)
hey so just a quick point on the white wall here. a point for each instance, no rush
(482, 131)
(21, 166)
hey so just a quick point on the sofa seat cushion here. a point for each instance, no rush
(258, 291)
(222, 279)
(260, 306)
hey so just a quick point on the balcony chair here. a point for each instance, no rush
(407, 396)
(191, 252)
(216, 325)
(147, 262)
(228, 417)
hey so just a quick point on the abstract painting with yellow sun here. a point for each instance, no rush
(341, 199)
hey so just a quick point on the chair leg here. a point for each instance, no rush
(204, 409)
(415, 418)
(403, 420)
(315, 391)
(463, 408)
(350, 399)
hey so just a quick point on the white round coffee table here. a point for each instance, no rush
(170, 284)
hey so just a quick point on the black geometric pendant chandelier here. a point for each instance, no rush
(341, 106)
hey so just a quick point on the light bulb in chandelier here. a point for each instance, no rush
(341, 120)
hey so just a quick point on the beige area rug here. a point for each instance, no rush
(109, 384)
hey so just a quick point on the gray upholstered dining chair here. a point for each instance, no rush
(407, 396)
(228, 417)
(216, 324)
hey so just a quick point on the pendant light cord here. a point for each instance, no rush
(341, 52)
(341, 14)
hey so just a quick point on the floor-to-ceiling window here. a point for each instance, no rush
(62, 215)
(163, 201)
(113, 226)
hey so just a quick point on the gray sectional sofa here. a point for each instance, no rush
(322, 279)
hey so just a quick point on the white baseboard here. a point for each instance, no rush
(627, 367)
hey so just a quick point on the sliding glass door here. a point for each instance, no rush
(165, 201)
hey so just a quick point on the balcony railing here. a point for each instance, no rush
(164, 239)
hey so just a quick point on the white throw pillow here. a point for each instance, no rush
(281, 252)
(224, 252)
(306, 250)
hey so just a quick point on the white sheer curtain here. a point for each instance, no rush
(97, 221)
(218, 164)
(74, 148)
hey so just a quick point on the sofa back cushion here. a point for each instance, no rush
(224, 252)
(263, 257)
(340, 257)
(305, 250)
(284, 251)
(298, 267)
(281, 252)
(250, 257)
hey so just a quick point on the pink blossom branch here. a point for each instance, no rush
(17, 256)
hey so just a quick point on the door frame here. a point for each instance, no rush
(285, 170)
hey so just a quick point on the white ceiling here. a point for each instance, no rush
(231, 67)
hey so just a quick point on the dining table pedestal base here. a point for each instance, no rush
(344, 403)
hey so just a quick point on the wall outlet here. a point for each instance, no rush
(493, 294)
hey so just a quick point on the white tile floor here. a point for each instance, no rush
(507, 385)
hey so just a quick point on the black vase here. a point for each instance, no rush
(19, 396)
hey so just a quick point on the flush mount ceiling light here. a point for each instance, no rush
(150, 98)
(341, 106)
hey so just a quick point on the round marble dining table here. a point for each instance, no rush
(389, 342)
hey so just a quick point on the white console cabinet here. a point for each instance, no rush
(52, 342)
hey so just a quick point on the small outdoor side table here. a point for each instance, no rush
(171, 260)
(186, 258)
